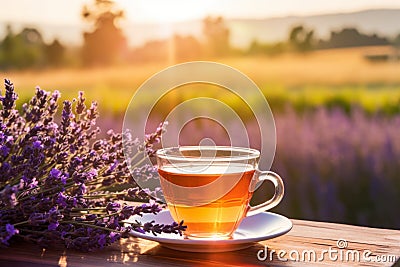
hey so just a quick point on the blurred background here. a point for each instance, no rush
(329, 70)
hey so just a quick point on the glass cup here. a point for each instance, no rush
(210, 187)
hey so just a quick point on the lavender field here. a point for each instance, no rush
(340, 167)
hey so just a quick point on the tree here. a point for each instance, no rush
(55, 53)
(217, 36)
(22, 50)
(186, 48)
(351, 37)
(271, 49)
(106, 44)
(396, 41)
(27, 49)
(396, 45)
(301, 39)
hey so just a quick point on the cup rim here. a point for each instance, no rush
(248, 153)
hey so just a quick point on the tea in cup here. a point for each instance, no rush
(210, 187)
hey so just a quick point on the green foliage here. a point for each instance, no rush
(339, 101)
(217, 34)
(382, 98)
(55, 52)
(106, 44)
(396, 40)
(27, 49)
(257, 48)
(351, 37)
(301, 39)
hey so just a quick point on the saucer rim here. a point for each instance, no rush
(175, 239)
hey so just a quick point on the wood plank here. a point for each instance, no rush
(304, 236)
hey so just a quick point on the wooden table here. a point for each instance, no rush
(304, 237)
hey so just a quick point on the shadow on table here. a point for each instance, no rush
(244, 257)
(128, 252)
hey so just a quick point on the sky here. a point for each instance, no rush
(61, 12)
(62, 19)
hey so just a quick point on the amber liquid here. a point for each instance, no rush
(218, 218)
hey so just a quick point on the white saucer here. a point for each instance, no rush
(262, 226)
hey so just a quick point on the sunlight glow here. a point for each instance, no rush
(161, 11)
(58, 12)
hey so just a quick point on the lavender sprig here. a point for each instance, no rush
(155, 228)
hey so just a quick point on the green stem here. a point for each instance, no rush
(91, 226)
(137, 163)
(31, 231)
(134, 157)
(85, 209)
(21, 223)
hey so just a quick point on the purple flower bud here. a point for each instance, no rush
(102, 241)
(5, 168)
(56, 176)
(33, 183)
(6, 233)
(114, 237)
(37, 145)
(113, 207)
(54, 173)
(37, 218)
(92, 173)
(81, 189)
(4, 150)
(140, 230)
(53, 226)
(61, 200)
(90, 217)
(8, 196)
(56, 94)
(113, 166)
(11, 230)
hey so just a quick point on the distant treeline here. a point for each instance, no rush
(106, 44)
(301, 39)
(28, 50)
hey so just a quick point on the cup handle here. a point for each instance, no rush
(278, 195)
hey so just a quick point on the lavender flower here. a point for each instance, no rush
(155, 229)
(6, 232)
(56, 179)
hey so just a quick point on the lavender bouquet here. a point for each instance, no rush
(55, 178)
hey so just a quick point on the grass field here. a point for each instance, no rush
(327, 76)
